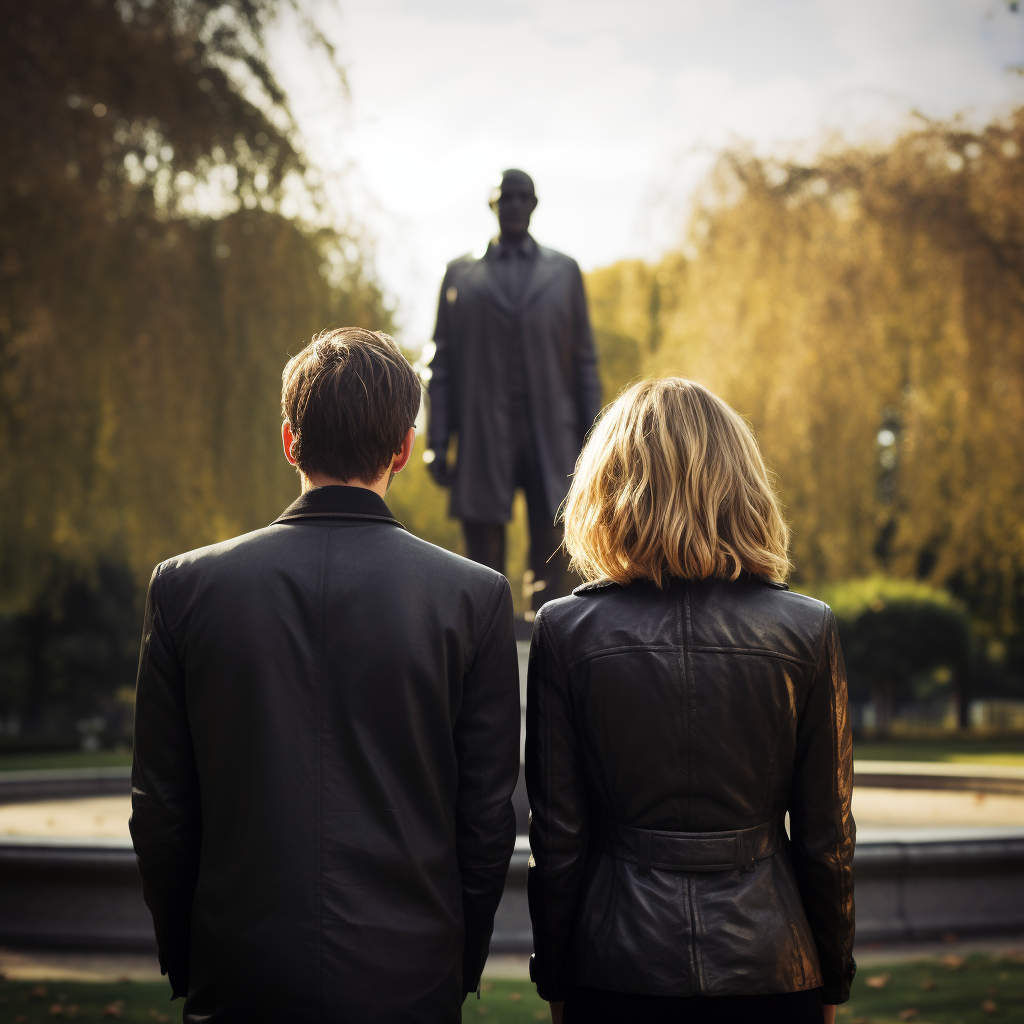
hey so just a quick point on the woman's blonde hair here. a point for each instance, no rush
(672, 482)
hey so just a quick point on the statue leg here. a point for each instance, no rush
(485, 543)
(547, 559)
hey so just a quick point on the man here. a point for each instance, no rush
(514, 378)
(326, 734)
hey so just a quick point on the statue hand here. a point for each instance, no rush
(437, 467)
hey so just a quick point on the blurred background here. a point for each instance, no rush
(815, 208)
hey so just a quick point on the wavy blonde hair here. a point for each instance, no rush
(672, 482)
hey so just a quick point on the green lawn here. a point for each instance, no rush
(962, 991)
(964, 751)
(955, 750)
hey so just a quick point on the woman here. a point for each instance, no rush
(679, 704)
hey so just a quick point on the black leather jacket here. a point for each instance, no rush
(326, 744)
(668, 733)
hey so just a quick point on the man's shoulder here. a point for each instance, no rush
(445, 567)
(218, 556)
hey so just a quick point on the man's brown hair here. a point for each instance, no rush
(349, 397)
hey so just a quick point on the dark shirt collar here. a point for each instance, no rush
(338, 502)
(525, 247)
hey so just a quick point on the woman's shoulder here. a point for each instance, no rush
(752, 613)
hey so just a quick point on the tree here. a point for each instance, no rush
(893, 633)
(866, 312)
(164, 247)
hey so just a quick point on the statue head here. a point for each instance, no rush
(513, 201)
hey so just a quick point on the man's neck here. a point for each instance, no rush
(379, 486)
(508, 239)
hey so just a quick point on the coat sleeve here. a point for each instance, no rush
(559, 824)
(821, 823)
(487, 747)
(440, 423)
(586, 381)
(166, 825)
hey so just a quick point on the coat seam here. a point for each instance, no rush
(496, 586)
(756, 652)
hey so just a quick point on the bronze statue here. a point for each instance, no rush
(514, 380)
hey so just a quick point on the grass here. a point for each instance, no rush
(955, 750)
(954, 990)
(29, 1002)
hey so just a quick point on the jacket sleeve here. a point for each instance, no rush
(559, 825)
(487, 747)
(166, 824)
(440, 423)
(587, 382)
(821, 823)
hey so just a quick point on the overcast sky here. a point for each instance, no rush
(615, 108)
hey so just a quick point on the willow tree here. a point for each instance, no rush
(164, 247)
(866, 312)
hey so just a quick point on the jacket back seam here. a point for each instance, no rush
(754, 652)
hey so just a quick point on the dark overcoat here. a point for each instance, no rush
(326, 744)
(479, 329)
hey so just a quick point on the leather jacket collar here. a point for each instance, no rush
(584, 588)
(338, 502)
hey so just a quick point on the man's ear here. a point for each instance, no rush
(405, 452)
(288, 439)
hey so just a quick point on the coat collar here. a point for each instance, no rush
(337, 502)
(749, 577)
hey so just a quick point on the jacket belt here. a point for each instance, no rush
(691, 851)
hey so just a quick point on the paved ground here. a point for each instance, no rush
(107, 817)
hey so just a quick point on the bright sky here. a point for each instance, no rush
(615, 108)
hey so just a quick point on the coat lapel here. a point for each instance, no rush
(482, 274)
(545, 270)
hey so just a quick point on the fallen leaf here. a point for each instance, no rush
(878, 980)
(991, 991)
(950, 937)
(540, 1015)
(485, 986)
(39, 992)
(930, 985)
(989, 1007)
(56, 1009)
(952, 961)
(115, 1009)
(514, 996)
(71, 1011)
(861, 1020)
(156, 1015)
(911, 1013)
(20, 1019)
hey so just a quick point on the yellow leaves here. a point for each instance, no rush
(876, 290)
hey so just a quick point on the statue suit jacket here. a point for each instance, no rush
(477, 328)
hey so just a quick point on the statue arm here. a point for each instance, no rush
(439, 386)
(586, 382)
